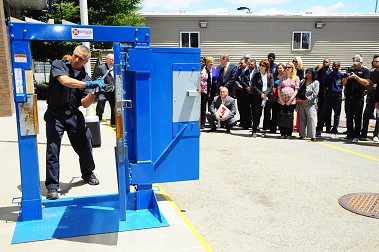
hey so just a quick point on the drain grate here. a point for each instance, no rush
(366, 204)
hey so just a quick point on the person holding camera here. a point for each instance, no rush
(355, 83)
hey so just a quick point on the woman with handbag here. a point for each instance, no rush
(287, 91)
(307, 104)
(262, 85)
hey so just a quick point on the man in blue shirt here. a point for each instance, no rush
(333, 99)
(273, 65)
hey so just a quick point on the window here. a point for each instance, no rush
(301, 40)
(189, 39)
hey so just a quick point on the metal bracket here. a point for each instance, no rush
(127, 103)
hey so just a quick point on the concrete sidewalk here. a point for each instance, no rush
(179, 236)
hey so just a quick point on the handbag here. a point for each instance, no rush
(275, 92)
(285, 119)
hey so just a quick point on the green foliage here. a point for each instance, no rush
(100, 12)
(65, 10)
(115, 12)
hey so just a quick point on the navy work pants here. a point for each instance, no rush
(80, 138)
(369, 110)
(354, 110)
(332, 101)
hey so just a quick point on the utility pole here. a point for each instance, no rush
(91, 119)
(84, 21)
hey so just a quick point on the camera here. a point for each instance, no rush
(348, 70)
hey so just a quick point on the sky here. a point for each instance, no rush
(270, 7)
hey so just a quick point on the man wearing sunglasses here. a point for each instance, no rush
(355, 83)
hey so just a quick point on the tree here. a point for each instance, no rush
(100, 12)
(115, 12)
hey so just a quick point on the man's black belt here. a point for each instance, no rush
(66, 112)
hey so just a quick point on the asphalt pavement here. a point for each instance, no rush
(272, 194)
(254, 194)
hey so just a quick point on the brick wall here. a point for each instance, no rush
(6, 87)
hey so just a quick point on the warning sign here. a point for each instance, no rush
(20, 58)
(82, 33)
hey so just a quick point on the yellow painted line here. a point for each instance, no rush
(176, 208)
(186, 221)
(349, 151)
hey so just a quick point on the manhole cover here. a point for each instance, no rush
(366, 204)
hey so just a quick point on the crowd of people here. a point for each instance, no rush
(277, 91)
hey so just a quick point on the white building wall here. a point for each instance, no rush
(339, 39)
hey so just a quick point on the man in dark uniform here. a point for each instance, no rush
(68, 89)
(108, 93)
(372, 99)
(355, 83)
(333, 99)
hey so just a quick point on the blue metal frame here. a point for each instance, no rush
(150, 147)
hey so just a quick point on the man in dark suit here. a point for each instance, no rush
(228, 75)
(217, 114)
(108, 93)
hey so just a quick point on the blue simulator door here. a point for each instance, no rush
(163, 123)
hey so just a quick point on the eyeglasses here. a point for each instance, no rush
(241, 63)
(261, 65)
(294, 61)
(288, 67)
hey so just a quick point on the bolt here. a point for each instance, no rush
(24, 30)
